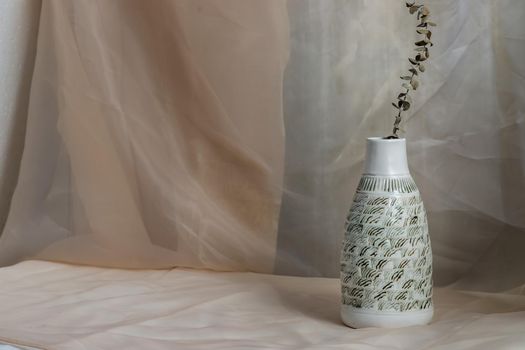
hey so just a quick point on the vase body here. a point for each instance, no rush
(386, 258)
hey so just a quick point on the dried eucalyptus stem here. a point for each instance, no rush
(421, 47)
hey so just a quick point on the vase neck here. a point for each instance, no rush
(386, 157)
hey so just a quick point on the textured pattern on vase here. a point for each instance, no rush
(386, 259)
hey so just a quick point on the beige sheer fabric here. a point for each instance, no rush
(156, 134)
(18, 29)
(147, 137)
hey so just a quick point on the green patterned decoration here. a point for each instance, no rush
(386, 259)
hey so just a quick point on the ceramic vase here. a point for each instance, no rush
(386, 258)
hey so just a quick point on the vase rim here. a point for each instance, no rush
(382, 139)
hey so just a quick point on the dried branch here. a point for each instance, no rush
(411, 82)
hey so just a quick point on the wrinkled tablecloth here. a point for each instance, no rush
(57, 306)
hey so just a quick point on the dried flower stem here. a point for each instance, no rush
(421, 47)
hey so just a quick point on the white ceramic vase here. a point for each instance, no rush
(386, 258)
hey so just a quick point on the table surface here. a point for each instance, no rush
(57, 306)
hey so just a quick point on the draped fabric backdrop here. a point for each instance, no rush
(230, 134)
(18, 29)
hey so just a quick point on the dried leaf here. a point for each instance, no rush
(414, 8)
(411, 83)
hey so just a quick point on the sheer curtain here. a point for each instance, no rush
(466, 132)
(230, 134)
(18, 29)
(151, 143)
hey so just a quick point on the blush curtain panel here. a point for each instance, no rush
(229, 135)
(150, 143)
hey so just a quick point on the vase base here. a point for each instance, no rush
(362, 318)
